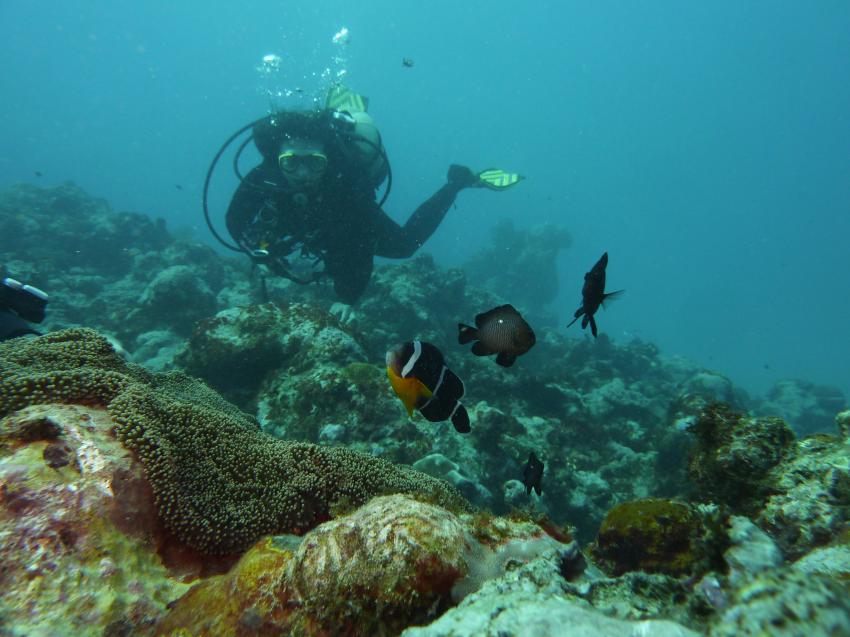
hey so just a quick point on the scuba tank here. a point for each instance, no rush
(365, 149)
(360, 139)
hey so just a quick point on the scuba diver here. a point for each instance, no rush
(20, 305)
(308, 211)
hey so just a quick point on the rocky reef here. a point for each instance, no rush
(520, 264)
(187, 451)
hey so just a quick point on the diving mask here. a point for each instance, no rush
(294, 162)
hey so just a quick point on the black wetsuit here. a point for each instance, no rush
(338, 222)
(12, 326)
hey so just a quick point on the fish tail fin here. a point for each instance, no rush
(460, 419)
(466, 333)
(593, 326)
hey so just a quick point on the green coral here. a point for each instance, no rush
(652, 535)
(219, 482)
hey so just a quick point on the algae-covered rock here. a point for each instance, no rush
(652, 535)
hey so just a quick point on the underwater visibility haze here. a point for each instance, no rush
(641, 209)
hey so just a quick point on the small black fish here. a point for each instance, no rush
(420, 378)
(500, 331)
(532, 473)
(407, 63)
(38, 173)
(178, 186)
(593, 294)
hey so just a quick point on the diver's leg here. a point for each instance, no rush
(397, 242)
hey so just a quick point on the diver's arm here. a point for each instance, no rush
(397, 242)
(252, 198)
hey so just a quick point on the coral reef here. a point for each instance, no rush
(164, 472)
(593, 411)
(520, 264)
(219, 482)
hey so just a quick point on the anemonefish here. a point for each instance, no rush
(420, 378)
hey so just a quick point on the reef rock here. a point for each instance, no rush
(752, 551)
(78, 529)
(536, 600)
(734, 454)
(796, 490)
(810, 504)
(392, 563)
(783, 603)
(808, 407)
(238, 349)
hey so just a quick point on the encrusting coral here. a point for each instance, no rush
(219, 482)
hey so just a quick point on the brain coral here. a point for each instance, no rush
(219, 482)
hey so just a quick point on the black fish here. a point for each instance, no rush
(406, 62)
(532, 473)
(178, 186)
(38, 173)
(500, 331)
(420, 378)
(593, 294)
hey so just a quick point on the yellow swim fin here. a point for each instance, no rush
(498, 179)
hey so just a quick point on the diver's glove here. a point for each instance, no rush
(463, 177)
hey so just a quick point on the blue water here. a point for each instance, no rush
(703, 145)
